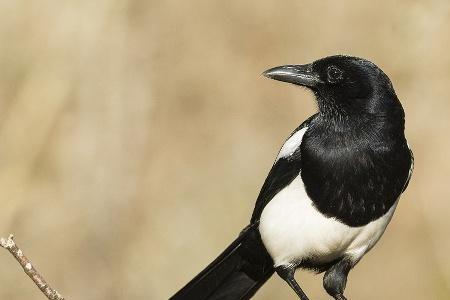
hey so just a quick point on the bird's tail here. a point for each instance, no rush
(236, 274)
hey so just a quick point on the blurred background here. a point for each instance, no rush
(135, 136)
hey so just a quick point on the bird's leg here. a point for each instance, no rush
(335, 278)
(287, 273)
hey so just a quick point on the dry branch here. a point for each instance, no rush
(27, 266)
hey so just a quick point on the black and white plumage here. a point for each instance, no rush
(332, 190)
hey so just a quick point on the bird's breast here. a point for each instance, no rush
(353, 179)
(293, 230)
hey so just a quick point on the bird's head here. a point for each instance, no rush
(343, 85)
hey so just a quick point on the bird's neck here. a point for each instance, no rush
(382, 109)
(353, 126)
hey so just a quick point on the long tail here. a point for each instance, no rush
(236, 274)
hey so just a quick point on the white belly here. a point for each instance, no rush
(292, 229)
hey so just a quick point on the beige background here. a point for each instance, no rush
(135, 135)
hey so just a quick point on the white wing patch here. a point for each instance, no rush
(292, 144)
(411, 168)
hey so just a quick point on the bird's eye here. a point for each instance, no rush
(334, 74)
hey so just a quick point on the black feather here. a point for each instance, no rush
(283, 171)
(237, 273)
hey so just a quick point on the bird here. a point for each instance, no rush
(331, 192)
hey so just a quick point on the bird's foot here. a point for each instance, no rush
(287, 273)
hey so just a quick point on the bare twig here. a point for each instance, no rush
(27, 266)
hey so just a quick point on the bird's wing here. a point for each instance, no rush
(283, 171)
(411, 169)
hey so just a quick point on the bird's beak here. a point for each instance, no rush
(296, 74)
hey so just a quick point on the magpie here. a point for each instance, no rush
(331, 192)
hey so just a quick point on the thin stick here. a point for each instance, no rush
(27, 266)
